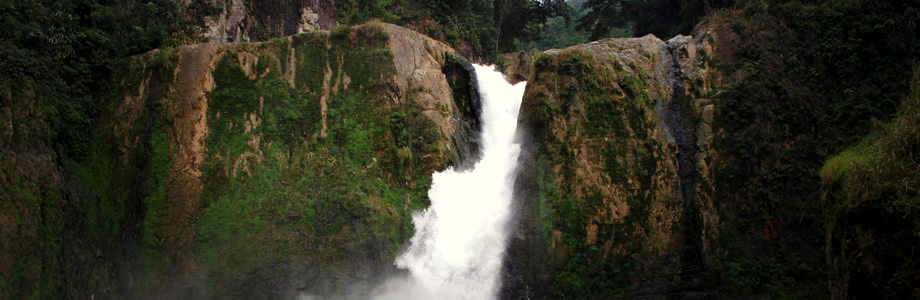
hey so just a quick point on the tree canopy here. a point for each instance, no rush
(663, 18)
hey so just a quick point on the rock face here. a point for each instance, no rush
(613, 183)
(517, 66)
(31, 195)
(246, 20)
(250, 170)
(655, 169)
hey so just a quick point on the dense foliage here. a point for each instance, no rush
(810, 79)
(557, 32)
(871, 194)
(68, 48)
(479, 29)
(664, 18)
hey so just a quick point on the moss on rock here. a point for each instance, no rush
(607, 208)
(236, 170)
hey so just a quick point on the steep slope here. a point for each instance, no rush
(870, 193)
(614, 192)
(239, 170)
(719, 195)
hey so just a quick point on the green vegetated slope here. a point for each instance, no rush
(241, 170)
(280, 190)
(871, 192)
(805, 80)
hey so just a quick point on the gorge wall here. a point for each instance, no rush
(689, 167)
(613, 188)
(252, 170)
(686, 168)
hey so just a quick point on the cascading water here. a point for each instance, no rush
(459, 243)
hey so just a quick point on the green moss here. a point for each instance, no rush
(310, 58)
(155, 203)
(808, 89)
(605, 110)
(861, 155)
(284, 54)
(94, 210)
(272, 180)
(35, 233)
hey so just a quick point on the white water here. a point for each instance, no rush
(459, 243)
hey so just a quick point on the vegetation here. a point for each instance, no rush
(663, 18)
(77, 202)
(479, 29)
(556, 32)
(813, 77)
(604, 111)
(275, 181)
(805, 80)
(69, 48)
(871, 192)
(93, 211)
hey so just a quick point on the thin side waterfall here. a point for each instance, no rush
(460, 240)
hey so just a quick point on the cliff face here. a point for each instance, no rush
(689, 168)
(614, 189)
(241, 20)
(256, 170)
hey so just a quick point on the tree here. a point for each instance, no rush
(663, 18)
(512, 17)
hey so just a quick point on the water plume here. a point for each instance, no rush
(460, 240)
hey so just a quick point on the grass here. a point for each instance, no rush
(871, 193)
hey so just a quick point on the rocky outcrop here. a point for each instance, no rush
(419, 72)
(613, 190)
(245, 170)
(699, 81)
(516, 66)
(370, 104)
(245, 20)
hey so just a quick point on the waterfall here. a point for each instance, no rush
(460, 240)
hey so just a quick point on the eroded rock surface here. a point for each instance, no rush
(247, 20)
(517, 66)
(246, 170)
(617, 135)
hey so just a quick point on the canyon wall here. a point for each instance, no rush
(609, 188)
(249, 170)
(690, 168)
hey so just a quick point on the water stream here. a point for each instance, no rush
(460, 240)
